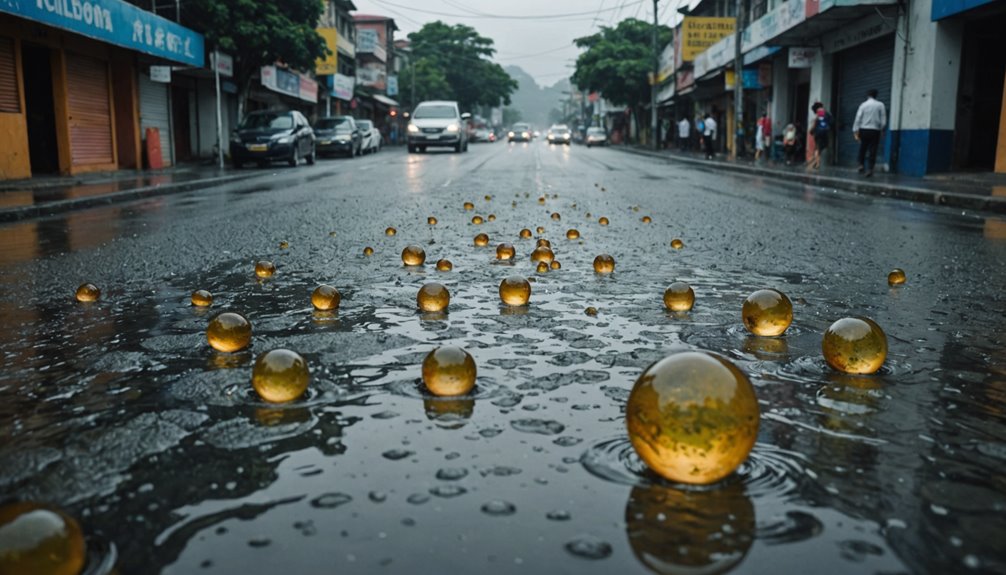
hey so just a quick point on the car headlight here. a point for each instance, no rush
(510, 134)
(284, 139)
(413, 129)
(524, 134)
(566, 136)
(453, 128)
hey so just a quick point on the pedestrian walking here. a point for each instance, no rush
(700, 129)
(870, 121)
(709, 135)
(789, 142)
(821, 132)
(763, 136)
(684, 134)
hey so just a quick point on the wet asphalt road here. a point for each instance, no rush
(120, 413)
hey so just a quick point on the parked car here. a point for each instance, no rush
(338, 135)
(596, 137)
(559, 134)
(270, 136)
(370, 136)
(520, 132)
(437, 123)
(482, 135)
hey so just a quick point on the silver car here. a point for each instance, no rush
(438, 123)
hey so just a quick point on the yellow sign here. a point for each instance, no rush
(698, 34)
(329, 65)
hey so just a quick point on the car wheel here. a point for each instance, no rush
(310, 157)
(412, 149)
(295, 158)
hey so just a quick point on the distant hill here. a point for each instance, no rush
(533, 101)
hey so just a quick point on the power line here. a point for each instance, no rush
(564, 16)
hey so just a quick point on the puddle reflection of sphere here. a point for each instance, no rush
(573, 234)
(265, 269)
(677, 244)
(603, 221)
(449, 413)
(604, 264)
(543, 254)
(39, 540)
(433, 297)
(767, 312)
(390, 231)
(896, 277)
(325, 298)
(444, 265)
(202, 298)
(525, 234)
(449, 371)
(88, 293)
(679, 296)
(413, 255)
(692, 417)
(505, 252)
(280, 375)
(482, 240)
(229, 332)
(855, 345)
(515, 290)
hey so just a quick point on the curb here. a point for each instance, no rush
(993, 204)
(62, 206)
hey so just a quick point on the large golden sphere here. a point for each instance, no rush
(515, 290)
(280, 375)
(767, 312)
(692, 417)
(444, 265)
(604, 264)
(265, 269)
(229, 332)
(542, 254)
(413, 255)
(896, 277)
(202, 298)
(39, 540)
(855, 345)
(482, 240)
(449, 370)
(88, 293)
(505, 252)
(433, 297)
(325, 298)
(679, 296)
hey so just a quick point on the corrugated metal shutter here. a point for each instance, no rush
(154, 113)
(869, 65)
(10, 102)
(90, 112)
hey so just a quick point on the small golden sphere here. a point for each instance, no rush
(693, 417)
(603, 221)
(449, 370)
(431, 220)
(555, 265)
(284, 245)
(525, 234)
(491, 217)
(677, 244)
(646, 219)
(482, 240)
(202, 298)
(679, 296)
(477, 220)
(505, 251)
(896, 277)
(540, 230)
(767, 312)
(542, 254)
(280, 375)
(542, 267)
(444, 265)
(433, 297)
(36, 539)
(515, 290)
(543, 243)
(572, 234)
(541, 199)
(604, 264)
(368, 251)
(413, 255)
(265, 269)
(556, 216)
(229, 332)
(325, 298)
(591, 311)
(469, 206)
(488, 198)
(855, 345)
(332, 234)
(390, 231)
(88, 293)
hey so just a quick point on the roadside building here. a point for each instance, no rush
(375, 70)
(337, 73)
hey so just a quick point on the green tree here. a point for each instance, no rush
(463, 58)
(511, 116)
(258, 33)
(430, 82)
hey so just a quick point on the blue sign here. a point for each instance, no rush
(115, 22)
(392, 85)
(945, 8)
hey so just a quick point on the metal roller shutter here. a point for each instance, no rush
(869, 65)
(154, 113)
(10, 102)
(89, 110)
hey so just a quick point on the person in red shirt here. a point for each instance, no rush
(763, 136)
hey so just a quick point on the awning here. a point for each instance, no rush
(385, 100)
(665, 94)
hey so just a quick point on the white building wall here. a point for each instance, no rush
(207, 127)
(780, 91)
(821, 74)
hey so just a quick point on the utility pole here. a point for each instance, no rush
(738, 82)
(653, 85)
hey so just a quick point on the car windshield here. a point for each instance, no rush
(365, 124)
(595, 131)
(435, 112)
(337, 124)
(267, 121)
(521, 127)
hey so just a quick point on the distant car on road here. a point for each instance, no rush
(338, 135)
(596, 137)
(482, 135)
(520, 132)
(271, 136)
(559, 134)
(437, 123)
(370, 136)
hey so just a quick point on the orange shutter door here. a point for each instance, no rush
(9, 101)
(89, 110)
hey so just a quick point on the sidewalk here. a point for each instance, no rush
(978, 192)
(49, 195)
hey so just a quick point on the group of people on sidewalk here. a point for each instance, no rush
(871, 119)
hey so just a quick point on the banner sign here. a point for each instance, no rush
(698, 34)
(289, 83)
(366, 41)
(329, 64)
(343, 86)
(115, 22)
(392, 85)
(160, 74)
(223, 64)
(666, 63)
(802, 57)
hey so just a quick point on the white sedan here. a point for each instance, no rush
(370, 137)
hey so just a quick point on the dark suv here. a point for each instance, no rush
(270, 136)
(338, 135)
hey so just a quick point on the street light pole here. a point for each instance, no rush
(653, 83)
(738, 82)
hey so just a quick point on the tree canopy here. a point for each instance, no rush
(617, 61)
(453, 63)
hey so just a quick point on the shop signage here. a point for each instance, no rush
(392, 85)
(684, 80)
(371, 76)
(698, 34)
(161, 74)
(802, 57)
(775, 22)
(308, 90)
(860, 31)
(749, 76)
(715, 57)
(343, 86)
(329, 64)
(115, 22)
(366, 41)
(223, 64)
(765, 74)
(289, 83)
(666, 63)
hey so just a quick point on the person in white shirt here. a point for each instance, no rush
(684, 134)
(870, 121)
(709, 136)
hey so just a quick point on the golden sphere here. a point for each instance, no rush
(646, 219)
(433, 297)
(542, 267)
(896, 277)
(692, 417)
(265, 269)
(505, 251)
(572, 234)
(413, 255)
(229, 332)
(515, 290)
(677, 244)
(431, 220)
(482, 240)
(280, 375)
(325, 298)
(477, 220)
(390, 231)
(525, 234)
(604, 264)
(540, 230)
(368, 251)
(284, 245)
(444, 265)
(449, 370)
(202, 298)
(88, 293)
(541, 199)
(556, 216)
(542, 254)
(543, 243)
(603, 221)
(469, 206)
(767, 312)
(491, 217)
(39, 540)
(855, 345)
(591, 311)
(555, 265)
(679, 296)
(488, 198)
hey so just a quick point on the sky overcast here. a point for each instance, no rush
(541, 46)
